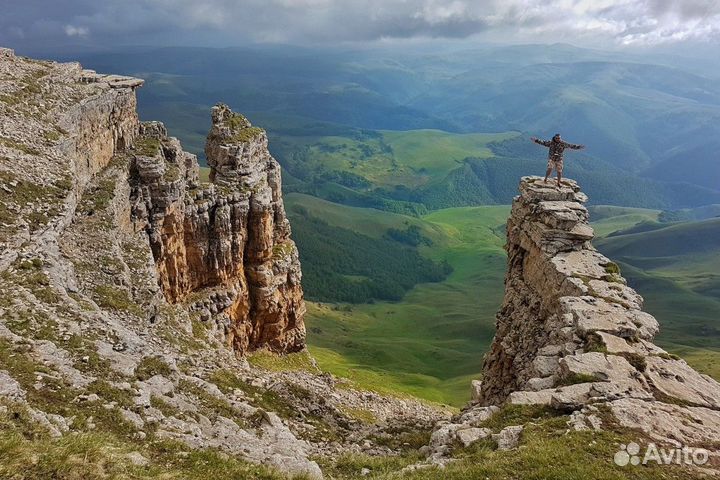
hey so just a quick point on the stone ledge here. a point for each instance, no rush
(664, 422)
(113, 81)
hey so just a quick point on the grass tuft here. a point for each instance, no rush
(300, 361)
(115, 298)
(147, 147)
(635, 359)
(575, 378)
(511, 414)
(151, 366)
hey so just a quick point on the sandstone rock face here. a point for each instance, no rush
(229, 239)
(571, 333)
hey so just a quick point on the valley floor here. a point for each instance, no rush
(431, 343)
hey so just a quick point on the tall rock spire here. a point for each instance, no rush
(571, 333)
(229, 239)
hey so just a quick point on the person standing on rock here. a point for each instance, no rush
(555, 155)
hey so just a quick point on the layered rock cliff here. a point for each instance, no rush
(226, 242)
(74, 120)
(123, 281)
(230, 237)
(571, 334)
(573, 344)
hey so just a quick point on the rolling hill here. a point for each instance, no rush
(687, 251)
(675, 267)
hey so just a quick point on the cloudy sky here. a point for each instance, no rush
(605, 23)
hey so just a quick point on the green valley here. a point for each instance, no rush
(431, 342)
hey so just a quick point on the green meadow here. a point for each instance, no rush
(431, 343)
(387, 158)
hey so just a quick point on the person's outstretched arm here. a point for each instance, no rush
(574, 146)
(544, 143)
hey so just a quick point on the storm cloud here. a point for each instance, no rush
(227, 22)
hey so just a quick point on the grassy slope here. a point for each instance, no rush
(608, 219)
(671, 240)
(436, 152)
(204, 174)
(367, 221)
(427, 345)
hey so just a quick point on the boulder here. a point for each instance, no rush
(509, 437)
(10, 388)
(521, 397)
(676, 380)
(475, 389)
(468, 436)
(597, 366)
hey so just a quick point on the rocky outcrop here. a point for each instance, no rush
(228, 241)
(572, 341)
(571, 334)
(123, 278)
(58, 131)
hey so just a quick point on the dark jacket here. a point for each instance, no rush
(557, 147)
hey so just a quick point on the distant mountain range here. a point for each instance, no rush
(652, 125)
